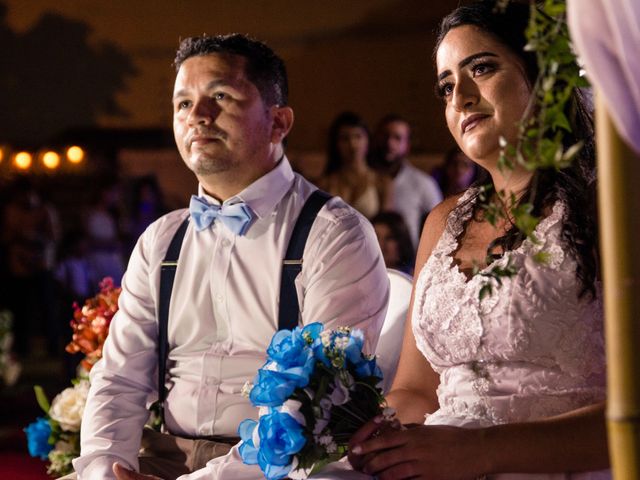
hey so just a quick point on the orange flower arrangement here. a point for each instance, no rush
(90, 323)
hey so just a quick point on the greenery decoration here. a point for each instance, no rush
(541, 131)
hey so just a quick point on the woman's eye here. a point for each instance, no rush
(219, 96)
(184, 104)
(445, 90)
(481, 69)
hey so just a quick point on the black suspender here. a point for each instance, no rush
(289, 310)
(167, 275)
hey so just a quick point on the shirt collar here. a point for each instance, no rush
(264, 194)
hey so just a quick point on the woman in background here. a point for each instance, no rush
(347, 173)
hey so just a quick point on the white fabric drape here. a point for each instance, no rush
(606, 34)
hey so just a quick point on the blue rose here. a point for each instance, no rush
(38, 434)
(353, 352)
(291, 348)
(281, 437)
(248, 450)
(368, 368)
(271, 388)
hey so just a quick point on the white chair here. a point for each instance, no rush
(390, 342)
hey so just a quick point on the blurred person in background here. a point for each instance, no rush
(457, 172)
(347, 173)
(395, 241)
(26, 231)
(103, 229)
(413, 193)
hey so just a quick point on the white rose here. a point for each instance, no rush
(68, 406)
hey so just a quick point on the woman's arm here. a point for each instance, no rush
(573, 442)
(413, 392)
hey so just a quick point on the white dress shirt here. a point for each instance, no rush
(414, 194)
(224, 311)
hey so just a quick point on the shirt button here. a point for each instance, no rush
(226, 242)
(219, 298)
(203, 431)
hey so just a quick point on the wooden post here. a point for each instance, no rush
(619, 219)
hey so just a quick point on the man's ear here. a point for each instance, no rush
(282, 123)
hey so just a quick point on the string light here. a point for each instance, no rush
(51, 160)
(23, 160)
(75, 154)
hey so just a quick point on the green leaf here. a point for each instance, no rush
(485, 291)
(542, 257)
(41, 398)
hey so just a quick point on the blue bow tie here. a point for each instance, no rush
(236, 217)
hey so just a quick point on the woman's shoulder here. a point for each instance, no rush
(438, 216)
(434, 227)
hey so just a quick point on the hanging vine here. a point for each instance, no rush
(539, 144)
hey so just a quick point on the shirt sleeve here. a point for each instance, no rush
(123, 379)
(344, 281)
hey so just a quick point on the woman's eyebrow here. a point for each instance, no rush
(466, 61)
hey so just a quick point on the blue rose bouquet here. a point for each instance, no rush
(315, 390)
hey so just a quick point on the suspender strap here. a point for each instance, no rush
(167, 275)
(289, 310)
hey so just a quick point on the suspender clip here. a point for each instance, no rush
(292, 262)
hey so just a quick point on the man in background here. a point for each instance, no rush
(414, 193)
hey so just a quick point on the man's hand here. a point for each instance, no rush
(123, 473)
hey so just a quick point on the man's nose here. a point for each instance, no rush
(204, 111)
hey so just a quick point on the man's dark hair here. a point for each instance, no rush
(263, 67)
(392, 118)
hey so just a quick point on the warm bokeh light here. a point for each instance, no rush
(22, 160)
(51, 160)
(2, 153)
(75, 154)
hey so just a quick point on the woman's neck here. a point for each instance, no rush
(511, 182)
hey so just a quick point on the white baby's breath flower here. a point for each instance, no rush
(341, 343)
(246, 389)
(63, 446)
(389, 413)
(68, 406)
(325, 337)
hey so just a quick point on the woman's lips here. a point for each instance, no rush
(470, 122)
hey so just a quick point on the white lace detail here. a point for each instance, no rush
(531, 349)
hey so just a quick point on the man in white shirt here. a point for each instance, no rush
(414, 193)
(230, 117)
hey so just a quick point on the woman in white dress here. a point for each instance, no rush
(514, 382)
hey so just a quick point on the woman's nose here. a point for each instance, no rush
(465, 94)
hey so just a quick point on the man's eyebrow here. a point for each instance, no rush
(466, 61)
(210, 86)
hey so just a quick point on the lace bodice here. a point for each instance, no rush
(529, 350)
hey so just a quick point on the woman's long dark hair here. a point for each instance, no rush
(574, 185)
(344, 119)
